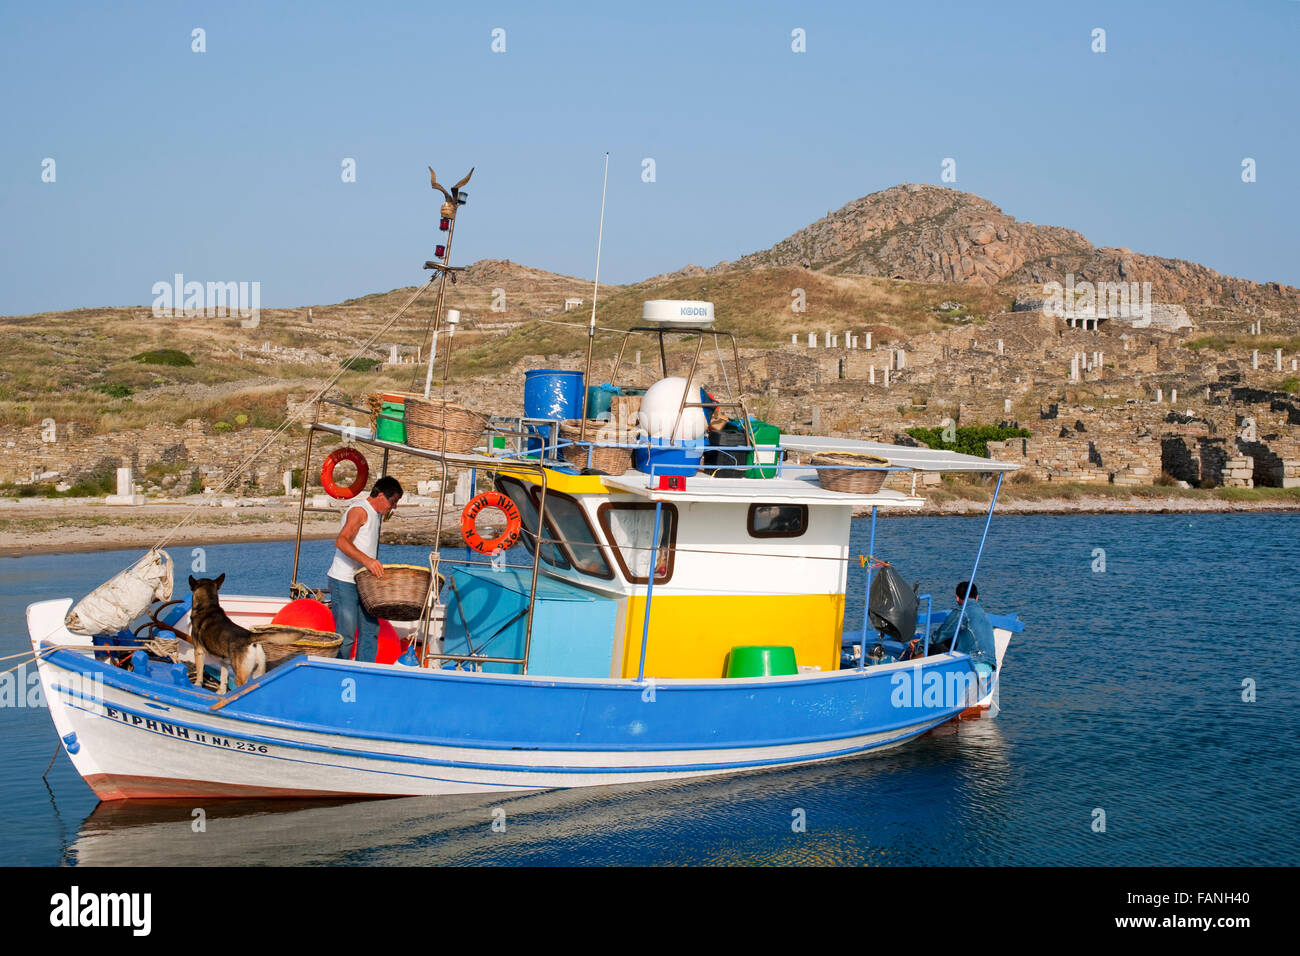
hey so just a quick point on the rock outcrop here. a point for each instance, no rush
(934, 234)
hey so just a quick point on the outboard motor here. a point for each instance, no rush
(893, 607)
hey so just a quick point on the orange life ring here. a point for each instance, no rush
(507, 538)
(327, 473)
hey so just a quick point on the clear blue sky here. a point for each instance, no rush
(225, 165)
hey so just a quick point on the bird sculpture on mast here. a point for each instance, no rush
(447, 223)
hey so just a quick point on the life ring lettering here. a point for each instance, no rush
(332, 461)
(476, 506)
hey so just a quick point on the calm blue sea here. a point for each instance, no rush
(1123, 696)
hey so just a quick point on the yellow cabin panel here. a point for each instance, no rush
(691, 634)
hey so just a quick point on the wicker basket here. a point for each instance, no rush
(849, 477)
(429, 422)
(398, 596)
(612, 461)
(311, 642)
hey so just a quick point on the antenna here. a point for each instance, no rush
(591, 330)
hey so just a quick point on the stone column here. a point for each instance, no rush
(868, 345)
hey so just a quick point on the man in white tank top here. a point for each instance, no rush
(355, 548)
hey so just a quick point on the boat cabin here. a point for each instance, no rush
(746, 556)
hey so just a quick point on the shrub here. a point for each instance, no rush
(173, 357)
(360, 364)
(113, 389)
(970, 440)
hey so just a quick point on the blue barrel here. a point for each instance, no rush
(550, 393)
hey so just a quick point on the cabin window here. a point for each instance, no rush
(552, 553)
(629, 528)
(567, 522)
(777, 521)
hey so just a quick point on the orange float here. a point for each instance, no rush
(476, 506)
(305, 612)
(332, 461)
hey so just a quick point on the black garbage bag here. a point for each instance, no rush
(893, 604)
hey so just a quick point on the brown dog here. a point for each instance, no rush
(211, 631)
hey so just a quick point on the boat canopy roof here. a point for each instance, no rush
(899, 456)
(796, 486)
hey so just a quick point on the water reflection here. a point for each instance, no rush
(849, 811)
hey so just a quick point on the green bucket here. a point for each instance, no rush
(389, 430)
(761, 661)
(767, 447)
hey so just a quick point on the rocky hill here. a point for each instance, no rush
(933, 234)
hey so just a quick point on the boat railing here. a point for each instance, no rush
(540, 461)
(352, 434)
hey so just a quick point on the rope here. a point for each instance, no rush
(320, 393)
(416, 367)
(36, 656)
(717, 351)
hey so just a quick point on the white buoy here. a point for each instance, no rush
(659, 408)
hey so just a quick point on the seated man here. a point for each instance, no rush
(976, 637)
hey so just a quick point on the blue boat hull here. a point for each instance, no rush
(313, 727)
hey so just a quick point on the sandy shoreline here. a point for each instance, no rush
(77, 528)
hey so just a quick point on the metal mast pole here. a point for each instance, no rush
(591, 329)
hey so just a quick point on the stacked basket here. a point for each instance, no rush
(308, 641)
(431, 422)
(611, 461)
(857, 474)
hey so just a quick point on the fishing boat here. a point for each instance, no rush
(667, 601)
